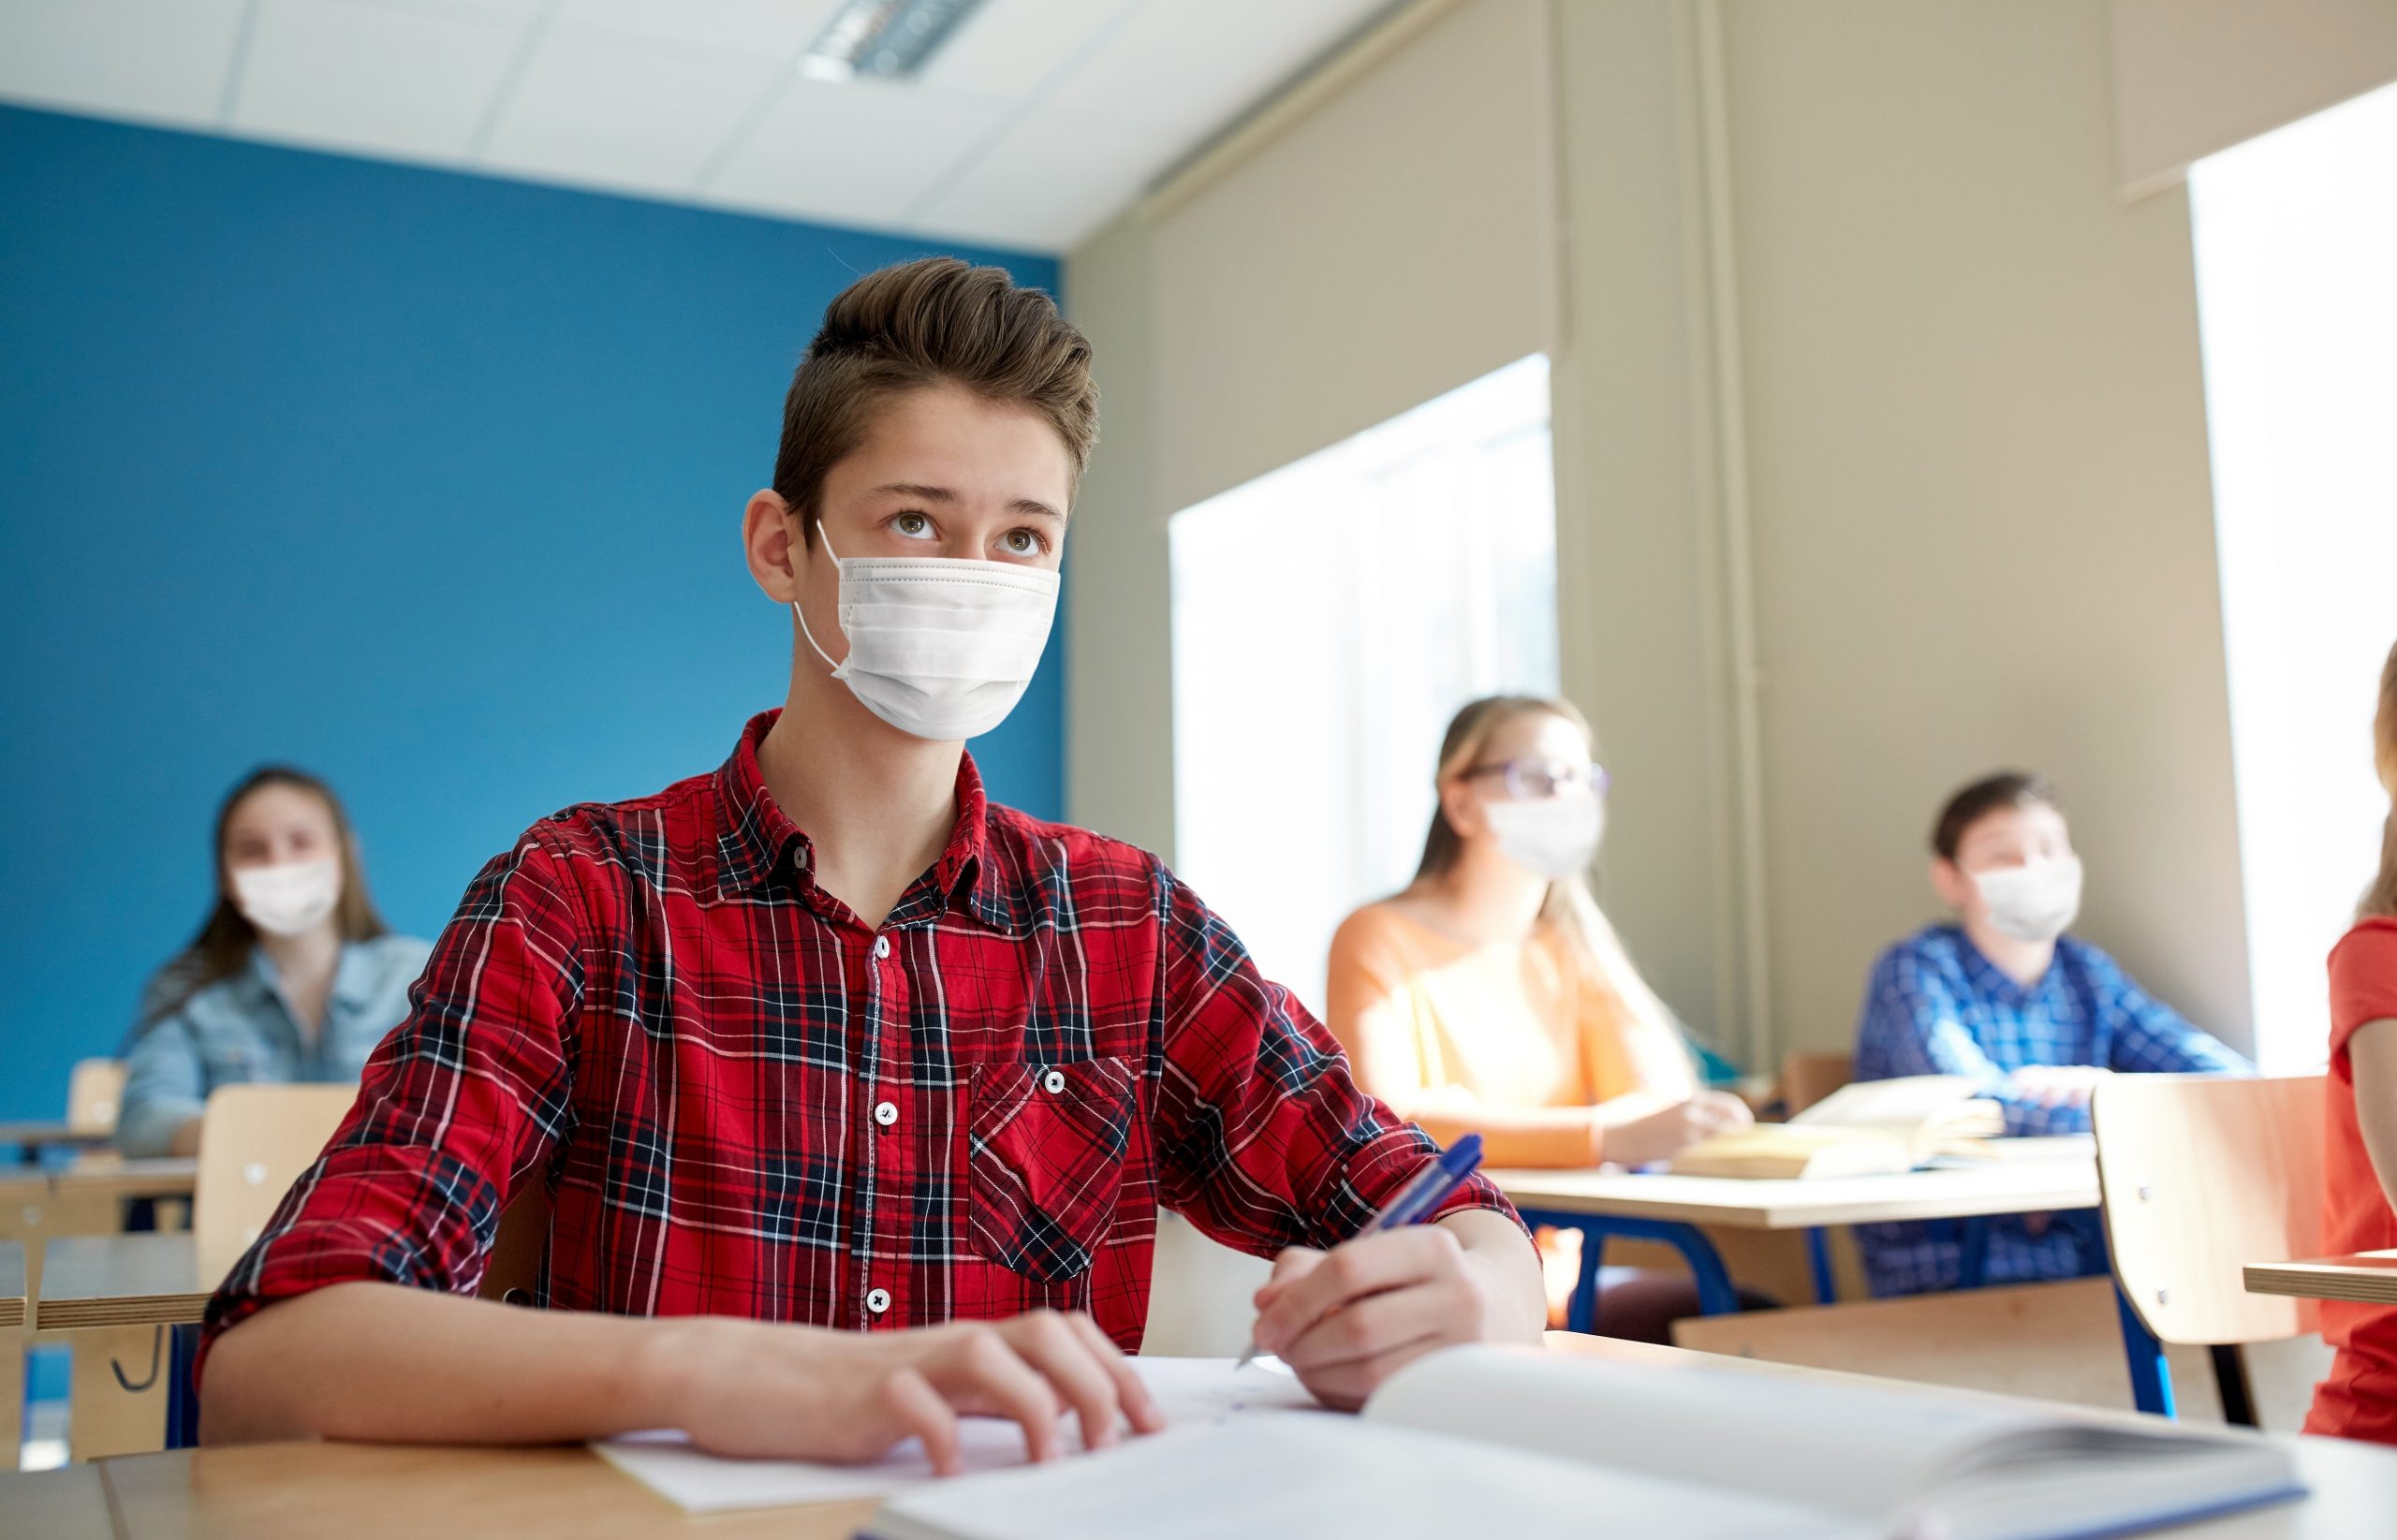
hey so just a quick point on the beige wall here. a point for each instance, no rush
(1851, 315)
(1984, 532)
(2192, 77)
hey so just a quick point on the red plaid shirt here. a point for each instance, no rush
(746, 1103)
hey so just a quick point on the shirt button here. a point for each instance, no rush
(876, 1302)
(881, 947)
(1053, 1082)
(886, 1113)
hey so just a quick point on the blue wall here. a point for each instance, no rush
(429, 483)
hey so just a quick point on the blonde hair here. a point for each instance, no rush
(1651, 1033)
(2381, 897)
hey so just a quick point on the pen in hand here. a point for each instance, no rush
(1426, 1191)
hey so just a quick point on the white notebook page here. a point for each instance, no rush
(1190, 1391)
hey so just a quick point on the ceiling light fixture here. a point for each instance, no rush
(889, 39)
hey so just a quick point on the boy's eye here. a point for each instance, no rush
(1021, 542)
(916, 526)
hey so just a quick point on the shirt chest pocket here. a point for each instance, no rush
(1046, 1150)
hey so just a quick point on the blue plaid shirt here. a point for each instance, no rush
(1936, 1006)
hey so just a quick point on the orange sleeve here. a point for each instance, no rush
(2363, 980)
(1367, 1007)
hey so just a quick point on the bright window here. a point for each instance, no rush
(2297, 292)
(1327, 620)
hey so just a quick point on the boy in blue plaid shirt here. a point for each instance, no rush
(2005, 997)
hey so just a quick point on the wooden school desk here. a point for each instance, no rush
(371, 1491)
(1671, 1209)
(108, 1177)
(145, 1278)
(12, 1352)
(12, 1285)
(30, 1139)
(2367, 1278)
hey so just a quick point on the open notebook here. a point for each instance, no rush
(1485, 1441)
(1869, 1128)
(1192, 1393)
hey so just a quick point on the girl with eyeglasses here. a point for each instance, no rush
(1492, 996)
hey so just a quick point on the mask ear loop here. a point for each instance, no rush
(796, 609)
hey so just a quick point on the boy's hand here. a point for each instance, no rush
(762, 1390)
(1349, 1318)
(2059, 1085)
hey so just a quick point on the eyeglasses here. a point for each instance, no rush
(1534, 780)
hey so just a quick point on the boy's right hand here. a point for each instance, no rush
(1664, 1134)
(762, 1390)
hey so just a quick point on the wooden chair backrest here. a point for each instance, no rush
(2202, 1175)
(94, 1092)
(254, 1140)
(1808, 1078)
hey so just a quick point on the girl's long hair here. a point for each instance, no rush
(2381, 897)
(1658, 1056)
(222, 948)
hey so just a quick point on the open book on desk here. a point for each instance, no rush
(1864, 1129)
(1191, 1392)
(1485, 1440)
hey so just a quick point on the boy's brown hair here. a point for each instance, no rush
(923, 323)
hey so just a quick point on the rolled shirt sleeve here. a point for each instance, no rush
(1265, 1140)
(463, 1099)
(165, 1087)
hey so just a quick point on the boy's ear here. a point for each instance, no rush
(770, 538)
(1949, 881)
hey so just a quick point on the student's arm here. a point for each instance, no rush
(2150, 1037)
(1267, 1144)
(1913, 1025)
(164, 1090)
(390, 1364)
(342, 1321)
(2372, 1055)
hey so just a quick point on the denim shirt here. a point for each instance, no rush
(242, 1029)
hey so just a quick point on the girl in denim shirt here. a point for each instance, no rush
(293, 977)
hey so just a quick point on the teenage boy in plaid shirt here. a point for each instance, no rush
(854, 1095)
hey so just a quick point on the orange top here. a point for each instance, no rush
(2359, 1399)
(1509, 1040)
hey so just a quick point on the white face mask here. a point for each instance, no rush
(290, 899)
(2033, 902)
(939, 647)
(1552, 837)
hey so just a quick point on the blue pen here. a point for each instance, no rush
(1432, 1187)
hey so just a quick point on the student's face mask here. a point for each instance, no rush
(2033, 902)
(1551, 837)
(288, 899)
(939, 647)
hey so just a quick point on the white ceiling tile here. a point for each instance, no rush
(368, 75)
(1190, 70)
(1051, 179)
(161, 60)
(1011, 48)
(863, 152)
(618, 111)
(519, 12)
(699, 99)
(779, 28)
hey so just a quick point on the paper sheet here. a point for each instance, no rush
(1315, 1477)
(1190, 1392)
